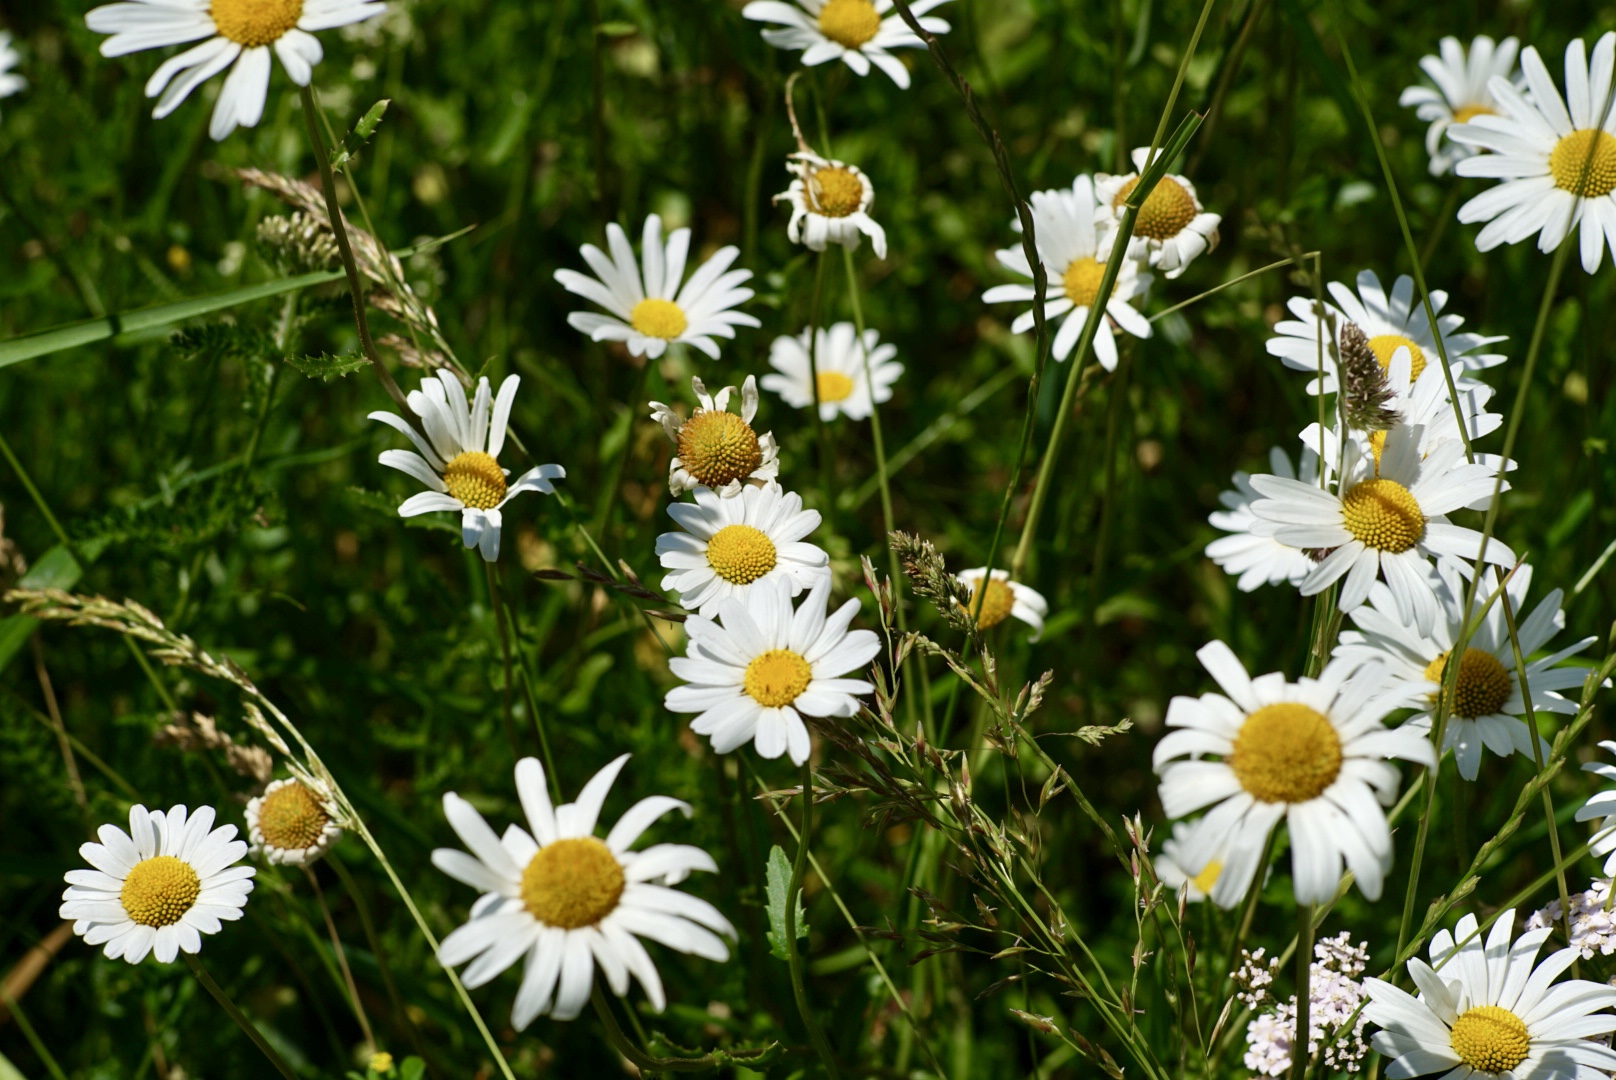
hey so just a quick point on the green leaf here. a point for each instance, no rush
(326, 367)
(56, 569)
(360, 134)
(776, 884)
(413, 1068)
(388, 505)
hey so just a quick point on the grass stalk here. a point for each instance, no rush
(799, 991)
(342, 961)
(246, 1025)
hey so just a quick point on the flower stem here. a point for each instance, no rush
(821, 432)
(646, 1063)
(235, 1014)
(1304, 990)
(507, 626)
(342, 961)
(793, 954)
(498, 605)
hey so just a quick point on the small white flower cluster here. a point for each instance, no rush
(1593, 924)
(1336, 995)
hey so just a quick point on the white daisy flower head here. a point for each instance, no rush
(830, 204)
(1601, 807)
(1074, 251)
(1394, 322)
(1462, 91)
(1179, 849)
(729, 547)
(1488, 709)
(853, 380)
(235, 34)
(857, 32)
(1489, 1009)
(1004, 598)
(755, 673)
(1312, 753)
(458, 458)
(718, 449)
(1249, 552)
(1171, 228)
(159, 887)
(1554, 155)
(292, 823)
(10, 82)
(651, 311)
(565, 900)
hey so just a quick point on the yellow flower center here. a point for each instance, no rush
(1384, 346)
(475, 479)
(1467, 113)
(1082, 280)
(718, 447)
(1383, 514)
(996, 604)
(659, 319)
(1490, 1039)
(1286, 753)
(1483, 686)
(159, 890)
(572, 883)
(1207, 878)
(835, 191)
(777, 677)
(740, 554)
(291, 818)
(849, 23)
(834, 386)
(252, 23)
(1166, 213)
(1377, 446)
(1589, 149)
(381, 1062)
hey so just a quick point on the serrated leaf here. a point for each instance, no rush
(360, 134)
(326, 367)
(777, 882)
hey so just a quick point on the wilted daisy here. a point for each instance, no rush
(238, 32)
(10, 81)
(1488, 707)
(857, 32)
(1249, 551)
(1171, 228)
(830, 204)
(846, 371)
(1601, 806)
(651, 312)
(717, 448)
(1487, 1010)
(1005, 598)
(754, 677)
(1462, 92)
(159, 887)
(1074, 253)
(1312, 753)
(458, 457)
(1557, 167)
(565, 900)
(729, 547)
(291, 823)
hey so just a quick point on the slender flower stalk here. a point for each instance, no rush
(245, 1024)
(342, 961)
(794, 955)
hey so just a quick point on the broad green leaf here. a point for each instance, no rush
(777, 882)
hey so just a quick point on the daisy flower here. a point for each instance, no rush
(852, 380)
(830, 204)
(159, 887)
(650, 312)
(1312, 753)
(857, 32)
(1602, 805)
(729, 547)
(1171, 228)
(566, 900)
(1486, 1010)
(1555, 156)
(1462, 92)
(1249, 552)
(291, 823)
(239, 35)
(1005, 598)
(717, 448)
(753, 678)
(1179, 849)
(457, 459)
(1074, 254)
(10, 82)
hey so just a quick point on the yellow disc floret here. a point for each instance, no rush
(1167, 211)
(659, 319)
(1385, 346)
(253, 23)
(572, 883)
(291, 818)
(740, 554)
(718, 447)
(1466, 113)
(160, 890)
(777, 677)
(834, 386)
(1383, 514)
(1286, 753)
(849, 23)
(1082, 280)
(996, 605)
(835, 191)
(1490, 1039)
(1584, 163)
(475, 479)
(1208, 878)
(1483, 686)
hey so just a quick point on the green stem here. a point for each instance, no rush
(342, 960)
(362, 907)
(509, 618)
(793, 954)
(39, 500)
(496, 602)
(646, 1063)
(235, 1014)
(821, 431)
(1304, 989)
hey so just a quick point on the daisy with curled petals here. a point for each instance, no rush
(1463, 91)
(651, 312)
(753, 678)
(1555, 156)
(565, 900)
(1602, 806)
(10, 81)
(239, 35)
(1171, 228)
(857, 32)
(1313, 754)
(159, 887)
(1074, 254)
(852, 380)
(1490, 1010)
(830, 204)
(717, 448)
(1004, 598)
(458, 458)
(729, 547)
(292, 823)
(1249, 552)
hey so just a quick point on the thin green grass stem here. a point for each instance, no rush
(507, 626)
(821, 429)
(342, 961)
(799, 990)
(497, 606)
(246, 1025)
